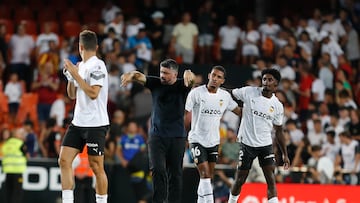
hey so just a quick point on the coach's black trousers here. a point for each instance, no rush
(166, 158)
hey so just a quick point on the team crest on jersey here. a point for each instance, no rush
(221, 102)
(271, 109)
(97, 75)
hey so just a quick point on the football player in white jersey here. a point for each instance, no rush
(262, 111)
(207, 104)
(88, 84)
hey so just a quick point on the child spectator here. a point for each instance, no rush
(13, 90)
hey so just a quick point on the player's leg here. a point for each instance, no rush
(200, 157)
(71, 146)
(157, 159)
(267, 163)
(96, 145)
(246, 156)
(175, 168)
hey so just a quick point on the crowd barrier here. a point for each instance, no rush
(42, 185)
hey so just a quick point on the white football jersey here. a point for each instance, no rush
(207, 109)
(92, 112)
(259, 114)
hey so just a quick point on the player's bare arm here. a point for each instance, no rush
(237, 111)
(90, 91)
(280, 138)
(189, 78)
(133, 76)
(71, 90)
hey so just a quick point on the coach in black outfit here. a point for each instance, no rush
(167, 132)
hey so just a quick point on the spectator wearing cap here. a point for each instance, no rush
(156, 34)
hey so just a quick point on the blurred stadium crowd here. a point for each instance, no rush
(317, 52)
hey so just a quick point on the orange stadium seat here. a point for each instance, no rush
(23, 13)
(4, 108)
(28, 108)
(71, 28)
(9, 25)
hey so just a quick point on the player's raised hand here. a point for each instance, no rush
(188, 78)
(69, 66)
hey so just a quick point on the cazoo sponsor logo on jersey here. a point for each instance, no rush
(211, 111)
(261, 114)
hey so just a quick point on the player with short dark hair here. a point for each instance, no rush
(207, 104)
(88, 84)
(262, 111)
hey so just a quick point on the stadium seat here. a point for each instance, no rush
(5, 12)
(4, 108)
(92, 15)
(31, 27)
(47, 14)
(69, 14)
(28, 108)
(23, 13)
(54, 26)
(9, 25)
(71, 28)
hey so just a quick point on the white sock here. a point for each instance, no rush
(233, 198)
(67, 196)
(200, 193)
(207, 190)
(101, 198)
(273, 200)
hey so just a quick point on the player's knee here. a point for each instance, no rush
(63, 162)
(96, 166)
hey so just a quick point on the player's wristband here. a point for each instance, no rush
(68, 75)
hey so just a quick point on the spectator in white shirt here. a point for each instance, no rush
(328, 45)
(285, 70)
(42, 41)
(251, 43)
(230, 41)
(317, 135)
(134, 26)
(336, 30)
(269, 28)
(118, 24)
(21, 46)
(109, 11)
(13, 91)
